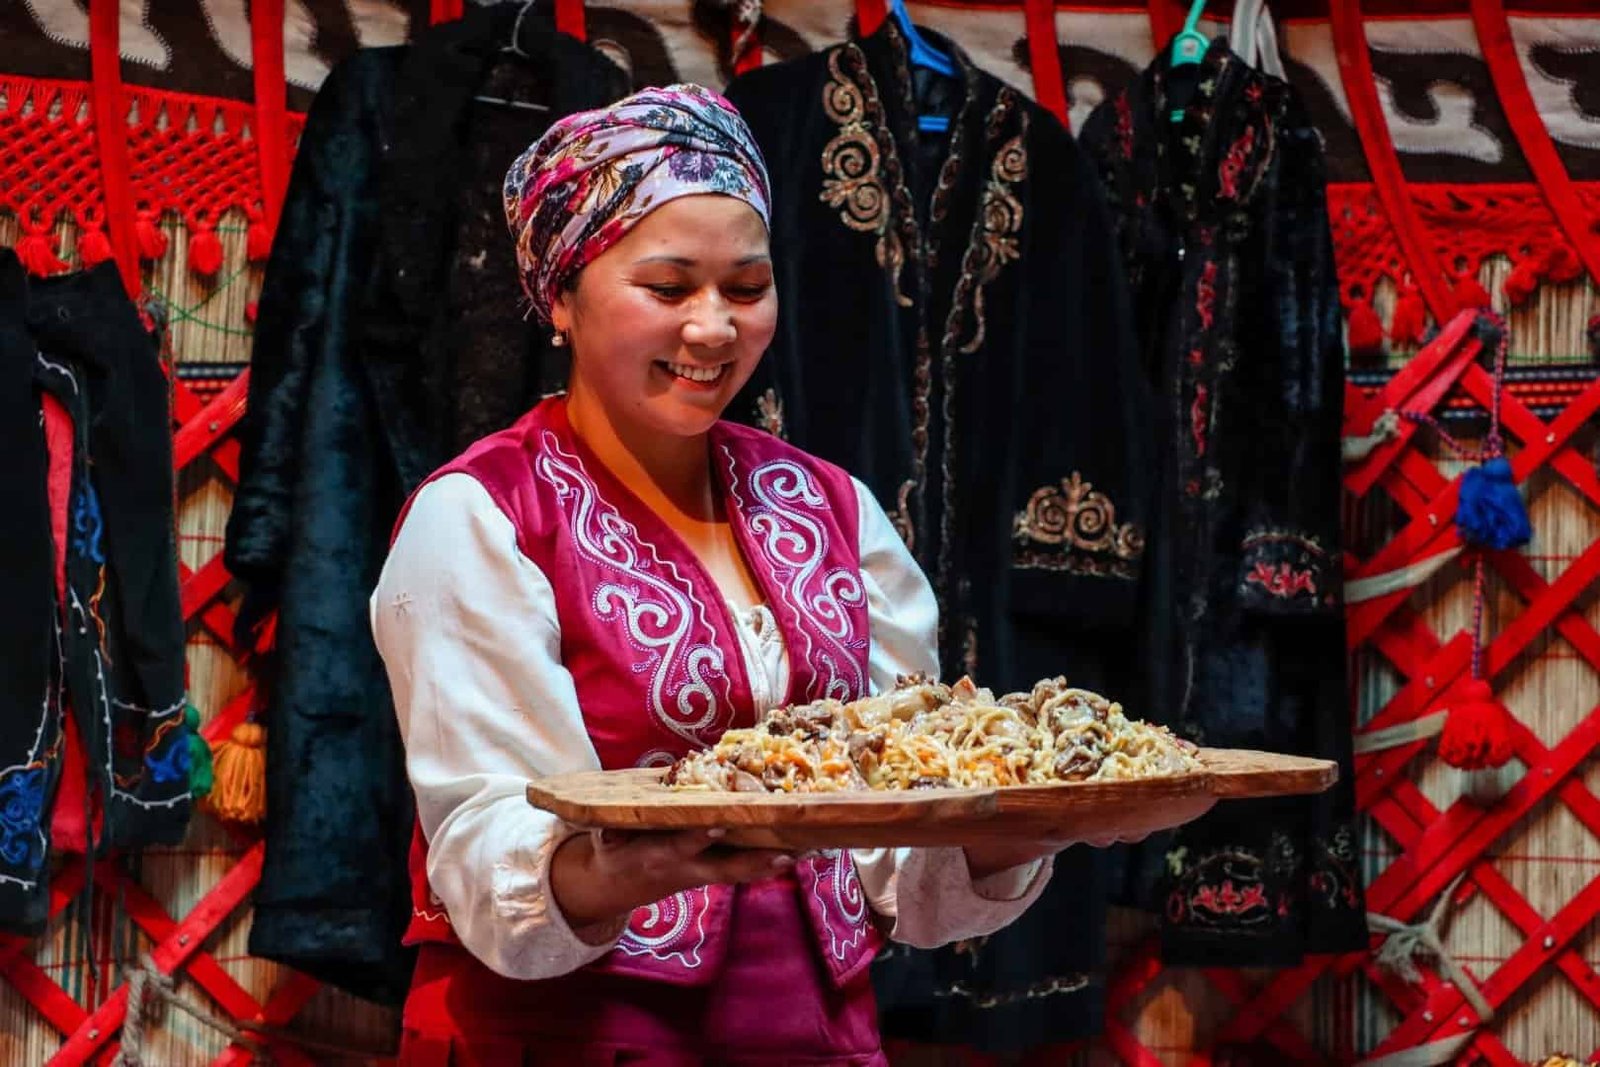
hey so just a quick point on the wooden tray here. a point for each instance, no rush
(637, 800)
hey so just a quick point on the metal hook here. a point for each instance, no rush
(515, 46)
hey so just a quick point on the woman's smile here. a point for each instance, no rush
(693, 375)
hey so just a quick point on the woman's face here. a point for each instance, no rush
(667, 324)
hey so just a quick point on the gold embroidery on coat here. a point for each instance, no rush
(999, 222)
(853, 163)
(1075, 517)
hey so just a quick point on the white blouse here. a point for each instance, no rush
(468, 631)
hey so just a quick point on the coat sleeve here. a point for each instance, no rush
(471, 642)
(1289, 559)
(304, 276)
(1082, 483)
(927, 894)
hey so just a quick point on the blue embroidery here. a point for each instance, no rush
(22, 842)
(174, 765)
(87, 525)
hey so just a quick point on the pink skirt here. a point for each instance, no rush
(773, 1004)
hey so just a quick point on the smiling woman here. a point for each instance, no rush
(627, 577)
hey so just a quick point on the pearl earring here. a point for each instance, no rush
(558, 339)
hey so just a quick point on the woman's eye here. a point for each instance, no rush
(669, 292)
(748, 293)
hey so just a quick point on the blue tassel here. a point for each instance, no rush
(1489, 511)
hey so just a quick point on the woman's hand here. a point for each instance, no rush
(606, 874)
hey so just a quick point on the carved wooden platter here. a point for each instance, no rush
(1067, 811)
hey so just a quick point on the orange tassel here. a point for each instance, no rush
(152, 242)
(1477, 732)
(1521, 282)
(1470, 294)
(239, 764)
(94, 248)
(205, 252)
(37, 251)
(1365, 334)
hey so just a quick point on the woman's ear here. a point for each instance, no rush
(561, 310)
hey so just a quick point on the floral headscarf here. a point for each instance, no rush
(594, 174)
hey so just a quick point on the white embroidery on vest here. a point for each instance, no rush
(658, 929)
(796, 545)
(843, 891)
(655, 603)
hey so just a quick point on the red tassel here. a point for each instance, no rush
(258, 241)
(1410, 319)
(152, 242)
(1521, 282)
(37, 251)
(1470, 294)
(1477, 732)
(1365, 335)
(251, 310)
(94, 248)
(205, 252)
(1562, 265)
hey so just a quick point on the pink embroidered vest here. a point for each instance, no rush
(651, 646)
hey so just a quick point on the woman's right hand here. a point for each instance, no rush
(605, 874)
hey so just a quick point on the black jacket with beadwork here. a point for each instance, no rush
(391, 334)
(953, 330)
(1223, 229)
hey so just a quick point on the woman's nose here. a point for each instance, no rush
(710, 323)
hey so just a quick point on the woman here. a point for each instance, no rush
(613, 582)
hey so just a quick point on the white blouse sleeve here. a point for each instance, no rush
(468, 631)
(928, 893)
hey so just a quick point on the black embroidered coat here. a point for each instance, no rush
(953, 332)
(106, 646)
(1223, 229)
(391, 335)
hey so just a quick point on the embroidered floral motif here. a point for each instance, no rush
(1124, 127)
(795, 546)
(173, 764)
(87, 525)
(663, 929)
(688, 689)
(1282, 580)
(1233, 889)
(1080, 520)
(1205, 305)
(837, 891)
(854, 163)
(22, 841)
(769, 413)
(999, 222)
(1200, 417)
(1232, 166)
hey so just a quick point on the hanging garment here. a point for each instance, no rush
(949, 331)
(94, 610)
(1223, 229)
(572, 629)
(390, 332)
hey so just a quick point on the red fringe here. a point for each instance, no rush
(1365, 334)
(205, 252)
(94, 248)
(1410, 320)
(37, 251)
(152, 242)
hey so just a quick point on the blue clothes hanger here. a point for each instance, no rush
(923, 55)
(1189, 46)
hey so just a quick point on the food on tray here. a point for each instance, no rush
(927, 735)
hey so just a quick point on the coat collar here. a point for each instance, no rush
(420, 172)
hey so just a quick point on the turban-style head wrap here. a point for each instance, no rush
(594, 174)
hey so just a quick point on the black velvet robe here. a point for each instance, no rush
(953, 331)
(1223, 228)
(391, 333)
